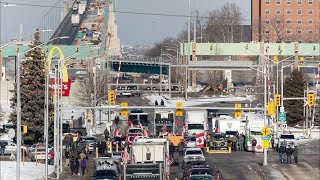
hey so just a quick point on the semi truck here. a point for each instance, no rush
(163, 119)
(228, 125)
(196, 122)
(75, 19)
(149, 159)
(82, 8)
(253, 131)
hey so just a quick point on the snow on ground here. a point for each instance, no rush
(28, 171)
(5, 106)
(191, 102)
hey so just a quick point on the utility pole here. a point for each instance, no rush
(188, 53)
(265, 153)
(92, 82)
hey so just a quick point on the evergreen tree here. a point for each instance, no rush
(294, 87)
(32, 90)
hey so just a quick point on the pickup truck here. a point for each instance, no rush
(290, 139)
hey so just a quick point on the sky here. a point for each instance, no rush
(132, 28)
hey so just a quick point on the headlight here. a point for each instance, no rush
(202, 159)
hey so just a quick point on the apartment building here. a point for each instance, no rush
(285, 20)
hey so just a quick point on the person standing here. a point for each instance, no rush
(281, 153)
(295, 154)
(171, 149)
(104, 147)
(51, 155)
(2, 148)
(241, 142)
(289, 152)
(76, 169)
(272, 142)
(106, 134)
(254, 144)
(180, 147)
(83, 166)
(67, 155)
(72, 166)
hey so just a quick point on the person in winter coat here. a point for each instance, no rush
(254, 144)
(51, 154)
(272, 142)
(76, 169)
(104, 147)
(83, 166)
(156, 103)
(295, 154)
(180, 148)
(162, 102)
(241, 142)
(281, 153)
(106, 134)
(171, 149)
(67, 155)
(289, 152)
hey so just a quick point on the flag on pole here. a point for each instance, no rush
(140, 125)
(145, 133)
(130, 123)
(117, 133)
(200, 140)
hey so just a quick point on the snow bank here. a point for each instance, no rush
(191, 102)
(28, 171)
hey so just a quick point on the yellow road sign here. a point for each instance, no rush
(265, 131)
(179, 112)
(265, 144)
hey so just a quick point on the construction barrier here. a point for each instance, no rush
(218, 151)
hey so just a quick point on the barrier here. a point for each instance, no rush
(227, 151)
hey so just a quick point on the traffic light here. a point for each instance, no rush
(111, 97)
(310, 99)
(17, 49)
(77, 49)
(237, 113)
(277, 99)
(124, 112)
(301, 62)
(47, 49)
(24, 129)
(179, 110)
(275, 59)
(271, 108)
(279, 47)
(247, 46)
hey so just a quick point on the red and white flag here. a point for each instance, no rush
(117, 133)
(200, 140)
(145, 133)
(140, 125)
(164, 129)
(130, 139)
(169, 159)
(130, 123)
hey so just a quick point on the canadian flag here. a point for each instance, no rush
(164, 129)
(140, 125)
(145, 133)
(130, 123)
(129, 142)
(200, 140)
(117, 133)
(183, 128)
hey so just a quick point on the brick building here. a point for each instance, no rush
(285, 20)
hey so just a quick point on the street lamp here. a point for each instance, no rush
(18, 108)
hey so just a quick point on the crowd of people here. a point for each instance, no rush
(286, 152)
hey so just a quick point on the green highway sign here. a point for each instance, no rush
(282, 117)
(267, 138)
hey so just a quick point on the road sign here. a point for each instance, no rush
(305, 103)
(265, 131)
(282, 116)
(11, 133)
(265, 143)
(179, 112)
(267, 138)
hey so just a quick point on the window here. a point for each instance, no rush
(299, 31)
(288, 11)
(310, 11)
(310, 21)
(267, 21)
(267, 31)
(277, 1)
(267, 1)
(310, 2)
(278, 11)
(299, 11)
(310, 31)
(278, 21)
(299, 2)
(288, 21)
(288, 31)
(299, 21)
(267, 11)
(288, 1)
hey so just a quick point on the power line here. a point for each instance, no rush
(124, 12)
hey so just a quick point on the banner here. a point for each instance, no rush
(66, 86)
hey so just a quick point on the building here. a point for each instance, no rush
(285, 20)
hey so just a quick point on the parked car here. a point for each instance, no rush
(190, 142)
(41, 146)
(38, 154)
(10, 147)
(90, 140)
(193, 154)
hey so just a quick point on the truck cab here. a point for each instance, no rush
(196, 122)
